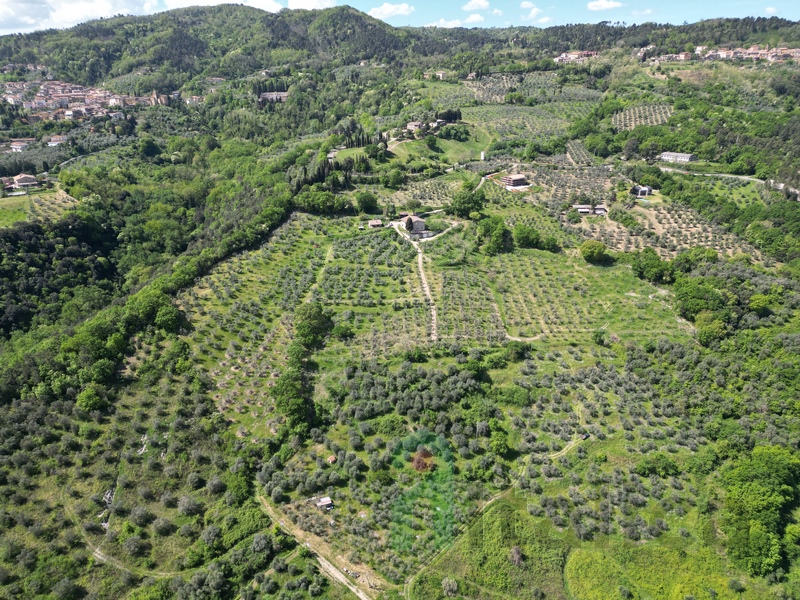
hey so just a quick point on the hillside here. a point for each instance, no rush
(236, 41)
(326, 323)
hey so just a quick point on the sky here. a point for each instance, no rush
(18, 16)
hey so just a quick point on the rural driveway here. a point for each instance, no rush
(424, 279)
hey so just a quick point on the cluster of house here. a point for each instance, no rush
(19, 182)
(55, 100)
(10, 68)
(588, 209)
(676, 157)
(433, 126)
(21, 144)
(576, 56)
(774, 55)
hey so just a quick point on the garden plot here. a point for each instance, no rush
(562, 184)
(51, 206)
(667, 228)
(444, 95)
(465, 306)
(505, 121)
(497, 196)
(560, 297)
(578, 153)
(643, 114)
(543, 87)
(372, 284)
(536, 217)
(429, 192)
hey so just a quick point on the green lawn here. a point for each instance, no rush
(13, 210)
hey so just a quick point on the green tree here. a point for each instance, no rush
(466, 202)
(90, 400)
(366, 202)
(759, 304)
(594, 251)
(526, 236)
(648, 265)
(311, 324)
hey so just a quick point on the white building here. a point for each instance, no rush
(676, 157)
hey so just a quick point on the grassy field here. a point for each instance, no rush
(449, 151)
(13, 210)
(665, 570)
(505, 554)
(39, 204)
(560, 297)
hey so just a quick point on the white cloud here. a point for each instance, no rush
(474, 18)
(641, 13)
(535, 11)
(544, 20)
(476, 5)
(497, 12)
(267, 5)
(771, 10)
(387, 11)
(603, 4)
(18, 16)
(311, 4)
(445, 24)
(28, 15)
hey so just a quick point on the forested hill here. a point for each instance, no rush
(233, 41)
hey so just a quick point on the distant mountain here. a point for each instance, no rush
(232, 41)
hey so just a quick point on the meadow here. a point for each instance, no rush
(39, 204)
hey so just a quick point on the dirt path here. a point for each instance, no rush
(98, 554)
(395, 143)
(484, 179)
(332, 564)
(424, 279)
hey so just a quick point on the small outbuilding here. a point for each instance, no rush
(375, 223)
(641, 191)
(325, 503)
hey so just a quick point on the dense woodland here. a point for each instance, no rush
(534, 404)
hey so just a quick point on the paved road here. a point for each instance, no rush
(728, 175)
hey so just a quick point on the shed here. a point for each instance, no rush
(325, 503)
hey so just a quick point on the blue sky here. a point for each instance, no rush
(29, 15)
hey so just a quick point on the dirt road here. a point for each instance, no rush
(332, 564)
(424, 279)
